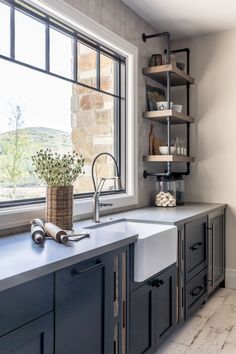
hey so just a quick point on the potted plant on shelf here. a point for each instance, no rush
(59, 172)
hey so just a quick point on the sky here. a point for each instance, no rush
(45, 99)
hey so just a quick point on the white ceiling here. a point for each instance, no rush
(185, 18)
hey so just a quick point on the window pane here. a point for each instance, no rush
(30, 40)
(61, 54)
(4, 29)
(68, 117)
(87, 63)
(93, 132)
(38, 116)
(107, 74)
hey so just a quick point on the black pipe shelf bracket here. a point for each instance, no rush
(168, 51)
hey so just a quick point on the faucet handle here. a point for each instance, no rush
(105, 204)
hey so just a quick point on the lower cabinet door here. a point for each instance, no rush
(84, 295)
(153, 312)
(142, 331)
(36, 337)
(165, 298)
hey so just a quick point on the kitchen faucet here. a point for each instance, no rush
(96, 203)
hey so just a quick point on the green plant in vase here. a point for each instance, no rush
(59, 172)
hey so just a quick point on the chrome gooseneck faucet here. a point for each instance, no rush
(98, 189)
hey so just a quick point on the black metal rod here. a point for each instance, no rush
(180, 50)
(168, 84)
(155, 35)
(187, 172)
(156, 174)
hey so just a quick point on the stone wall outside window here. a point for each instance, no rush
(92, 118)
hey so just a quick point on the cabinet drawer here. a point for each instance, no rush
(196, 292)
(33, 338)
(25, 303)
(195, 247)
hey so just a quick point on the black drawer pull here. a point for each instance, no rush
(156, 283)
(197, 290)
(124, 314)
(74, 271)
(196, 246)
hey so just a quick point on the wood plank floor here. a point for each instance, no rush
(211, 330)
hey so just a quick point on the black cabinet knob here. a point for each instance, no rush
(156, 283)
(74, 271)
(197, 290)
(196, 246)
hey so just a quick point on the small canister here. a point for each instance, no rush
(155, 60)
(169, 192)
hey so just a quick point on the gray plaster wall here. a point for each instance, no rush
(117, 17)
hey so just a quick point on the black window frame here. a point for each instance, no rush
(77, 37)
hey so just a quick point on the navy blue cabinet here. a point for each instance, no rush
(35, 337)
(27, 317)
(165, 304)
(153, 312)
(142, 320)
(196, 263)
(84, 307)
(121, 300)
(26, 302)
(216, 250)
(196, 256)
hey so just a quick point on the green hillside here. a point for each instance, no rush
(18, 166)
(42, 138)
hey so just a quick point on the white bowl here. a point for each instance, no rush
(164, 150)
(162, 105)
(177, 107)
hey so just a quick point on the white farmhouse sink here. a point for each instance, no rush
(155, 249)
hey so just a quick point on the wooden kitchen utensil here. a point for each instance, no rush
(151, 139)
(55, 232)
(156, 144)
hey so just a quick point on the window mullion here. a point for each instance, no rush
(98, 72)
(75, 60)
(117, 112)
(47, 47)
(12, 54)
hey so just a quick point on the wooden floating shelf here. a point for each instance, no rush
(160, 117)
(158, 73)
(168, 158)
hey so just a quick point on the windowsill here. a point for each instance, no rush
(21, 216)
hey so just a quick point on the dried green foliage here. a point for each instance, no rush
(58, 170)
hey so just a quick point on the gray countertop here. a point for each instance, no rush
(22, 260)
(177, 216)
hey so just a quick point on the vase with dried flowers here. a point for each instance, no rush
(59, 172)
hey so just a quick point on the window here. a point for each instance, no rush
(59, 89)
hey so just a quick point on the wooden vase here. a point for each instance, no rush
(59, 206)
